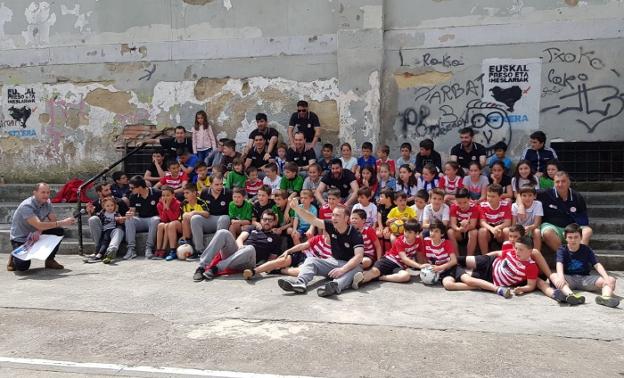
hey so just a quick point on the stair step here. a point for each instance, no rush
(607, 242)
(603, 198)
(611, 259)
(607, 225)
(62, 211)
(606, 211)
(598, 186)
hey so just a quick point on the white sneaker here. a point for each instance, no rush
(357, 280)
(149, 254)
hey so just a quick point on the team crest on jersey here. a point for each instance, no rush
(270, 239)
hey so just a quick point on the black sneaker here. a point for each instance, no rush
(612, 302)
(209, 274)
(193, 257)
(575, 299)
(559, 296)
(288, 285)
(199, 274)
(331, 288)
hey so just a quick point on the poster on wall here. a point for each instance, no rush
(18, 108)
(514, 86)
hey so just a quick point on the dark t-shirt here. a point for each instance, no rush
(257, 157)
(464, 158)
(154, 171)
(580, 262)
(217, 206)
(259, 209)
(343, 183)
(504, 182)
(301, 158)
(305, 125)
(434, 158)
(268, 134)
(170, 145)
(342, 245)
(562, 213)
(146, 207)
(265, 243)
(226, 162)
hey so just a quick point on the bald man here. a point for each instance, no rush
(35, 214)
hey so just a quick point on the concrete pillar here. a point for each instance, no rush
(360, 60)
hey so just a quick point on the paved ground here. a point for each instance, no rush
(151, 313)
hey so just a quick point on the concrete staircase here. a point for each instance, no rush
(605, 202)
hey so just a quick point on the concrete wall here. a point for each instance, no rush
(87, 68)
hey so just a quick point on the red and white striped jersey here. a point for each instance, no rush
(318, 247)
(400, 245)
(492, 216)
(507, 270)
(460, 215)
(450, 186)
(437, 254)
(370, 237)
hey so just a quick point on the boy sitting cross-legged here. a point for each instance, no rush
(574, 263)
(401, 256)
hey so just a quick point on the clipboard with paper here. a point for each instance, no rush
(39, 249)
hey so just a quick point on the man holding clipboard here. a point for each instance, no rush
(35, 215)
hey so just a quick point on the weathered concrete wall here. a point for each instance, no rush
(433, 75)
(374, 70)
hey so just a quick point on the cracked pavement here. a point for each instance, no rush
(152, 313)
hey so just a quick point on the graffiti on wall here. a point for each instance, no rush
(581, 86)
(18, 106)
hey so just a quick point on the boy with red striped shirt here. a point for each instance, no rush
(463, 224)
(372, 246)
(439, 252)
(498, 271)
(495, 215)
(333, 200)
(401, 256)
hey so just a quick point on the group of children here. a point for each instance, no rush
(413, 213)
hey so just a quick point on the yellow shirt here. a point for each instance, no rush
(201, 205)
(203, 184)
(406, 214)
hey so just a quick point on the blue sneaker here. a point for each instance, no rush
(171, 256)
(182, 241)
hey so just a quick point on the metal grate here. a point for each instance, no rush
(592, 161)
(138, 163)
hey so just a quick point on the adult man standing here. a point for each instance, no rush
(141, 217)
(300, 154)
(563, 206)
(103, 190)
(218, 199)
(341, 179)
(308, 123)
(35, 214)
(270, 135)
(251, 246)
(347, 247)
(467, 150)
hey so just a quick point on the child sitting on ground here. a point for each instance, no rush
(372, 247)
(463, 223)
(439, 253)
(111, 220)
(191, 206)
(168, 211)
(300, 226)
(240, 211)
(401, 256)
(364, 203)
(495, 215)
(574, 264)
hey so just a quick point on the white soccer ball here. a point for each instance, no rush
(428, 276)
(184, 251)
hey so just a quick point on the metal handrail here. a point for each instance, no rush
(79, 210)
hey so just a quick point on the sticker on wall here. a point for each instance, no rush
(514, 85)
(18, 107)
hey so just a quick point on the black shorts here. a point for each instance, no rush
(386, 266)
(297, 259)
(452, 272)
(483, 270)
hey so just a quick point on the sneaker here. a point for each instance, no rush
(559, 296)
(193, 257)
(149, 254)
(331, 288)
(208, 274)
(198, 276)
(288, 285)
(612, 302)
(575, 299)
(182, 241)
(53, 264)
(248, 274)
(357, 280)
(504, 292)
(171, 256)
(130, 255)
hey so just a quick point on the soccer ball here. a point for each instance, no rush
(184, 251)
(428, 276)
(397, 227)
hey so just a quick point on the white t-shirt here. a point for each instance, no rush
(536, 210)
(522, 182)
(420, 213)
(443, 214)
(348, 164)
(275, 184)
(371, 213)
